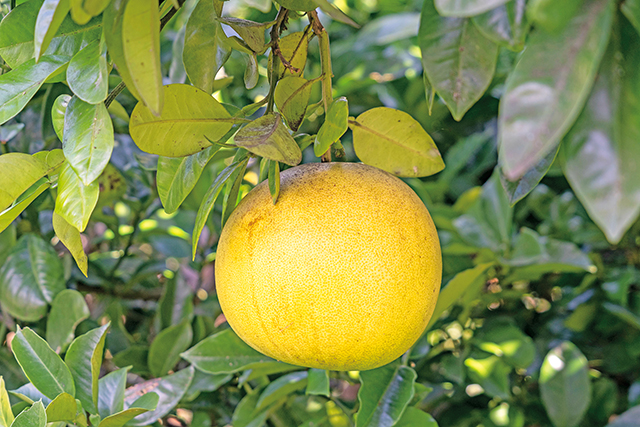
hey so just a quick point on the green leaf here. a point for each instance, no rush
(206, 382)
(42, 366)
(631, 9)
(205, 50)
(264, 369)
(246, 414)
(32, 417)
(466, 8)
(8, 132)
(57, 114)
(506, 24)
(84, 359)
(251, 73)
(298, 5)
(95, 7)
(17, 35)
(31, 277)
(491, 373)
(458, 60)
(70, 238)
(318, 382)
(460, 284)
(268, 137)
(283, 386)
(335, 124)
(10, 214)
(111, 389)
(623, 314)
(552, 16)
(50, 16)
(19, 85)
(384, 394)
(78, 14)
(414, 417)
(141, 48)
(516, 190)
(224, 353)
(627, 419)
(291, 98)
(6, 415)
(209, 200)
(251, 32)
(189, 119)
(75, 201)
(335, 13)
(68, 309)
(394, 141)
(504, 339)
(274, 180)
(22, 171)
(88, 73)
(294, 48)
(165, 349)
(169, 389)
(87, 139)
(62, 408)
(145, 403)
(565, 387)
(549, 86)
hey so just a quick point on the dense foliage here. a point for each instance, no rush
(118, 171)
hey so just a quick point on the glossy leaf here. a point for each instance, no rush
(190, 117)
(516, 190)
(282, 387)
(491, 373)
(70, 238)
(88, 73)
(414, 417)
(50, 16)
(19, 85)
(6, 415)
(29, 394)
(145, 403)
(549, 86)
(35, 416)
(466, 8)
(62, 408)
(318, 382)
(335, 13)
(111, 389)
(30, 278)
(87, 139)
(165, 349)
(84, 359)
(268, 137)
(224, 353)
(169, 389)
(506, 25)
(274, 180)
(504, 339)
(565, 387)
(458, 60)
(68, 309)
(57, 114)
(394, 141)
(251, 32)
(42, 366)
(75, 201)
(23, 171)
(294, 48)
(631, 9)
(205, 50)
(291, 97)
(10, 214)
(384, 394)
(335, 125)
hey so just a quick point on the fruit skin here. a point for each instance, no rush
(343, 273)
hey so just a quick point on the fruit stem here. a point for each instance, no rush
(327, 74)
(281, 20)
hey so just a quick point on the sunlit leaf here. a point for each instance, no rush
(50, 16)
(291, 97)
(22, 170)
(62, 408)
(35, 416)
(57, 114)
(75, 201)
(88, 73)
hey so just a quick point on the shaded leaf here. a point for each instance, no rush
(552, 16)
(62, 408)
(165, 349)
(414, 417)
(29, 394)
(274, 180)
(268, 137)
(291, 97)
(335, 13)
(504, 339)
(506, 25)
(145, 403)
(68, 309)
(282, 387)
(318, 382)
(111, 389)
(232, 188)
(294, 48)
(631, 9)
(629, 418)
(10, 214)
(70, 238)
(251, 74)
(75, 201)
(251, 32)
(57, 114)
(491, 373)
(206, 382)
(50, 16)
(32, 417)
(335, 124)
(465, 8)
(88, 74)
(299, 5)
(516, 190)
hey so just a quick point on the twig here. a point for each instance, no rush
(115, 92)
(281, 22)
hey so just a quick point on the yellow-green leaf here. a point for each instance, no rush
(268, 137)
(291, 97)
(50, 16)
(6, 415)
(9, 215)
(22, 171)
(62, 408)
(70, 237)
(75, 201)
(335, 124)
(294, 49)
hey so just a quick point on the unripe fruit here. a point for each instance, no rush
(342, 273)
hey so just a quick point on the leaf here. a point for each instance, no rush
(414, 417)
(165, 349)
(282, 387)
(8, 132)
(209, 200)
(268, 137)
(68, 309)
(491, 373)
(84, 359)
(32, 417)
(31, 277)
(251, 32)
(23, 171)
(233, 189)
(318, 383)
(205, 50)
(298, 5)
(623, 314)
(466, 8)
(169, 389)
(552, 16)
(145, 403)
(224, 353)
(335, 124)
(549, 86)
(111, 389)
(88, 73)
(291, 97)
(75, 201)
(206, 382)
(62, 408)
(19, 85)
(506, 25)
(294, 48)
(6, 415)
(274, 180)
(246, 414)
(565, 387)
(10, 214)
(504, 339)
(95, 7)
(394, 141)
(57, 114)
(263, 369)
(29, 394)
(87, 139)
(17, 35)
(251, 73)
(78, 14)
(517, 190)
(50, 16)
(627, 419)
(335, 13)
(384, 394)
(631, 9)
(70, 238)
(42, 366)
(190, 117)
(458, 60)
(600, 152)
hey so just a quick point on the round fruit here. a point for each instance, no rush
(342, 273)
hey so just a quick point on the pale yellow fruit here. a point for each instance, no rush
(342, 273)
